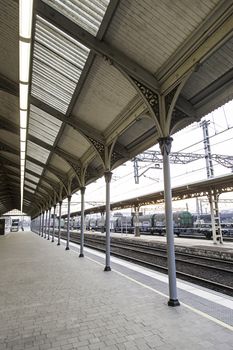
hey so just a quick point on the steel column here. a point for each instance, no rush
(137, 229)
(108, 176)
(68, 224)
(49, 223)
(40, 225)
(81, 255)
(46, 217)
(42, 229)
(54, 211)
(165, 146)
(59, 224)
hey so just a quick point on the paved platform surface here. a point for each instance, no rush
(51, 299)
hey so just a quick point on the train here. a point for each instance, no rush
(184, 222)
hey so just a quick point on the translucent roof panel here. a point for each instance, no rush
(58, 61)
(37, 152)
(31, 177)
(29, 189)
(29, 184)
(43, 126)
(88, 14)
(33, 167)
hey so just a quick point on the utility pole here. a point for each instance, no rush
(213, 195)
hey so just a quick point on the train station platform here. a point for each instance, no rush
(202, 246)
(51, 299)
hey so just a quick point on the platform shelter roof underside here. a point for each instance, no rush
(108, 78)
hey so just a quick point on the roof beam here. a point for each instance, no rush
(206, 94)
(43, 178)
(214, 32)
(9, 86)
(186, 107)
(8, 148)
(78, 125)
(6, 124)
(100, 47)
(55, 171)
(5, 161)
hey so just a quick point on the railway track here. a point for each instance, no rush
(212, 273)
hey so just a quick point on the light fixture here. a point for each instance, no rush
(23, 96)
(23, 119)
(22, 135)
(25, 30)
(25, 18)
(22, 156)
(24, 61)
(22, 146)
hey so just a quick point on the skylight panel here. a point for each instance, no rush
(88, 14)
(57, 67)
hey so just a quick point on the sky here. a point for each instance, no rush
(189, 140)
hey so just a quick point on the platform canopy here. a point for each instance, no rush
(107, 79)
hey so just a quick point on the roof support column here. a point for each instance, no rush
(81, 255)
(136, 222)
(46, 219)
(68, 224)
(40, 223)
(54, 211)
(42, 228)
(59, 225)
(108, 176)
(49, 220)
(165, 146)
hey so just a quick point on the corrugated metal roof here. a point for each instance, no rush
(43, 126)
(213, 68)
(51, 176)
(9, 138)
(160, 28)
(109, 93)
(37, 152)
(9, 106)
(68, 142)
(31, 177)
(30, 184)
(54, 82)
(142, 125)
(9, 39)
(33, 167)
(59, 163)
(29, 189)
(88, 14)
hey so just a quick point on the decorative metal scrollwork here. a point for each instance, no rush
(115, 157)
(98, 146)
(151, 96)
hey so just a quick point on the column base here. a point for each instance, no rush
(52, 240)
(67, 248)
(48, 238)
(81, 255)
(58, 243)
(137, 232)
(44, 236)
(107, 268)
(173, 302)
